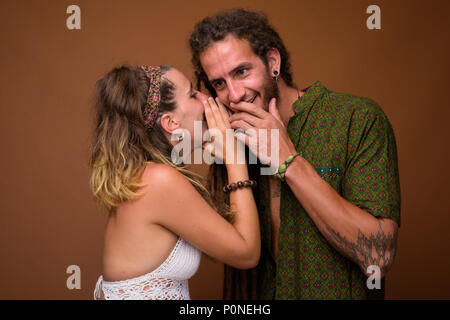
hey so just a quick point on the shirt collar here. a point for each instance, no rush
(312, 93)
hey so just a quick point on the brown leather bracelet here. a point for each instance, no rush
(240, 184)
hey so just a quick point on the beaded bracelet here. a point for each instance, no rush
(280, 174)
(240, 184)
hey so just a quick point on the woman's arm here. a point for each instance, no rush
(181, 209)
(177, 206)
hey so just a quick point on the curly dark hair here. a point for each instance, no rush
(251, 26)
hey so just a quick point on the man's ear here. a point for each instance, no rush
(169, 123)
(273, 60)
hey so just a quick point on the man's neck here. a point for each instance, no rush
(287, 97)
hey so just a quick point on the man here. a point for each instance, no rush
(330, 220)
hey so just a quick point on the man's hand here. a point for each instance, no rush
(251, 119)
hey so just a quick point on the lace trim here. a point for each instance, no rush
(148, 289)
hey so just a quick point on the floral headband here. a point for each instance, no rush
(151, 107)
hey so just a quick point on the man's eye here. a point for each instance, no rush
(194, 94)
(218, 84)
(242, 72)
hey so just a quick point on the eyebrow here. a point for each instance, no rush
(240, 66)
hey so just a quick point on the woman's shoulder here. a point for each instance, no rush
(166, 189)
(162, 176)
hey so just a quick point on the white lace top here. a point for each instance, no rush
(168, 282)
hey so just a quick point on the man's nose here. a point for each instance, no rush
(235, 92)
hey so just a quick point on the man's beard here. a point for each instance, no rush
(270, 90)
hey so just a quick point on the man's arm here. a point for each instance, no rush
(355, 233)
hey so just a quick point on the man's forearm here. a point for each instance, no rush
(360, 236)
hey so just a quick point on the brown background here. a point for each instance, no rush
(48, 219)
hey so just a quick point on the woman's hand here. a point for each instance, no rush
(219, 126)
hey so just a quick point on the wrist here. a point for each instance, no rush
(237, 172)
(239, 185)
(235, 156)
(285, 153)
(282, 169)
(295, 169)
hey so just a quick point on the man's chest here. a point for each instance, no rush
(274, 199)
(323, 139)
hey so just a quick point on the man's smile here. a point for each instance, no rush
(253, 99)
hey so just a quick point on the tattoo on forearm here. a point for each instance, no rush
(375, 249)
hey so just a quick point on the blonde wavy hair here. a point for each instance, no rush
(122, 146)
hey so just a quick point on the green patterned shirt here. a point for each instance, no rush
(351, 144)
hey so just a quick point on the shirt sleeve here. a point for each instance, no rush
(371, 179)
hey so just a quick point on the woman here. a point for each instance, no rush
(160, 215)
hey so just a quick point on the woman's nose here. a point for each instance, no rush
(201, 96)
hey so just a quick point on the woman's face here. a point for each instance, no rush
(189, 104)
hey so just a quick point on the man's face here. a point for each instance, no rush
(237, 74)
